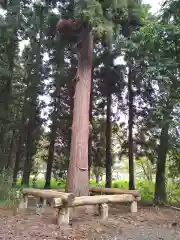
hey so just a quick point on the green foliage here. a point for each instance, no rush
(9, 196)
(146, 188)
(174, 193)
(105, 16)
(94, 184)
(39, 183)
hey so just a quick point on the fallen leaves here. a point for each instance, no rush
(29, 225)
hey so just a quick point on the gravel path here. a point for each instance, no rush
(147, 224)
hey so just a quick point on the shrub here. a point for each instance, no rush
(173, 194)
(9, 196)
(146, 189)
(40, 182)
(120, 184)
(93, 183)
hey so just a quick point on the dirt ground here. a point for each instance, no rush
(150, 223)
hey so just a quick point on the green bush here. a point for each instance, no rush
(146, 189)
(9, 196)
(94, 184)
(120, 184)
(173, 194)
(39, 183)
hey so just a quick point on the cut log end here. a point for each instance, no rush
(57, 202)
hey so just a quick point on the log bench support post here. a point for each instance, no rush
(44, 203)
(103, 211)
(134, 207)
(24, 202)
(63, 216)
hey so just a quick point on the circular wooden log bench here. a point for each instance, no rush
(63, 201)
(101, 201)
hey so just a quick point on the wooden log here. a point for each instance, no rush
(114, 191)
(24, 202)
(44, 203)
(63, 216)
(81, 201)
(138, 198)
(89, 200)
(95, 200)
(120, 198)
(102, 201)
(103, 211)
(67, 198)
(134, 207)
(57, 202)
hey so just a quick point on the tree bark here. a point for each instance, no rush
(78, 181)
(160, 185)
(51, 154)
(19, 145)
(9, 164)
(108, 139)
(53, 137)
(11, 46)
(90, 135)
(71, 103)
(27, 166)
(29, 153)
(130, 128)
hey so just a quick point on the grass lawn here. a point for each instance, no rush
(146, 188)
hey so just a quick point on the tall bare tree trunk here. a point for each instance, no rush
(71, 103)
(160, 185)
(28, 160)
(90, 135)
(130, 128)
(108, 139)
(30, 151)
(51, 154)
(78, 181)
(9, 164)
(21, 138)
(52, 137)
(11, 45)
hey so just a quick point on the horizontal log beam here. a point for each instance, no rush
(114, 191)
(93, 200)
(67, 198)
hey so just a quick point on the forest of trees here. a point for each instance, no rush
(64, 94)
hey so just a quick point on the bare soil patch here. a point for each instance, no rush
(149, 223)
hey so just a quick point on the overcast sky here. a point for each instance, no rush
(154, 3)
